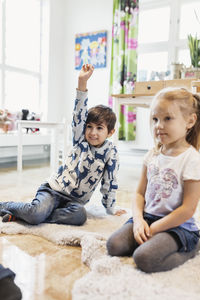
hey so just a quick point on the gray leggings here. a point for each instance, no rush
(160, 253)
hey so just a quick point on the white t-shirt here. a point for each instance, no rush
(165, 175)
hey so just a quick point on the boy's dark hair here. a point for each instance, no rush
(102, 114)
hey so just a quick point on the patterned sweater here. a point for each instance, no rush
(86, 165)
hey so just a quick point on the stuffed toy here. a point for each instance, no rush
(30, 117)
(6, 123)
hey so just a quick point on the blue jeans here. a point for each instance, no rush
(48, 206)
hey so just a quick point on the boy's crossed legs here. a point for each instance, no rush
(48, 206)
(159, 253)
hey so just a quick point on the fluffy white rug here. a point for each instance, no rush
(113, 277)
(109, 277)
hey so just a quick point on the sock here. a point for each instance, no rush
(8, 218)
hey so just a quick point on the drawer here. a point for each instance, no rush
(185, 83)
(148, 88)
(195, 86)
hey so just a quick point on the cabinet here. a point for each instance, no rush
(142, 97)
(149, 88)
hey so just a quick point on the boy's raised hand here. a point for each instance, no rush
(84, 75)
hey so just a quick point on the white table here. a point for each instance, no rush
(55, 129)
(131, 100)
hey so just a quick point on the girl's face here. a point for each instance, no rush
(169, 126)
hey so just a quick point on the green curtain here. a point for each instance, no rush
(124, 61)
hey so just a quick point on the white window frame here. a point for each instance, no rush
(41, 75)
(174, 44)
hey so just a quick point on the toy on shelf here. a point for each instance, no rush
(26, 115)
(6, 122)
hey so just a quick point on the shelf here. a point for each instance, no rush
(11, 139)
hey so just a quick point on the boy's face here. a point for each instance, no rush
(96, 134)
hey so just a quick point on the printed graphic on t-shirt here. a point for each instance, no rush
(161, 184)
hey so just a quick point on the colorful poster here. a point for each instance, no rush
(90, 48)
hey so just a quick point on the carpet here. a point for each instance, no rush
(113, 277)
(109, 277)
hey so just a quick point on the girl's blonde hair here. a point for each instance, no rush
(189, 103)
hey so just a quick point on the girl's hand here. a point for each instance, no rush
(141, 230)
(84, 75)
(154, 228)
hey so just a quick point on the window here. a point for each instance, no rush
(0, 34)
(23, 67)
(149, 20)
(189, 19)
(149, 63)
(162, 36)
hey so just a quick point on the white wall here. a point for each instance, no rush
(56, 80)
(81, 17)
(67, 18)
(144, 139)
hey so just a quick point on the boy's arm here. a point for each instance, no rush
(109, 182)
(84, 75)
(80, 106)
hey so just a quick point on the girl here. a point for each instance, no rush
(163, 232)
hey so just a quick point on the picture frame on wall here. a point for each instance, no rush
(90, 48)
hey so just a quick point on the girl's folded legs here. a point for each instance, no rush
(160, 253)
(122, 242)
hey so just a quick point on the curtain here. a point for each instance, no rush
(124, 61)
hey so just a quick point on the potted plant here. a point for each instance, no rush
(194, 47)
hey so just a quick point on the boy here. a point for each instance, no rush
(61, 200)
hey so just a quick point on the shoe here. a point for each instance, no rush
(2, 208)
(9, 290)
(8, 218)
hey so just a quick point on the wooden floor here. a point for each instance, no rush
(46, 271)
